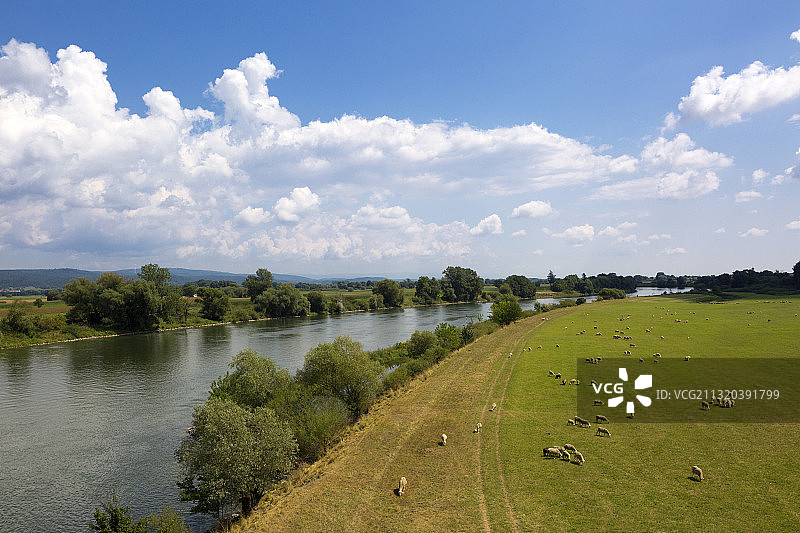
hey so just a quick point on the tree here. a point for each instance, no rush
(216, 303)
(286, 300)
(391, 292)
(259, 283)
(466, 284)
(342, 369)
(17, 320)
(141, 305)
(158, 276)
(426, 290)
(233, 455)
(79, 294)
(521, 286)
(506, 311)
(796, 274)
(254, 382)
(551, 278)
(316, 301)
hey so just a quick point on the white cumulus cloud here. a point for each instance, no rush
(794, 224)
(577, 233)
(673, 251)
(299, 201)
(754, 232)
(721, 100)
(747, 196)
(491, 224)
(532, 209)
(616, 231)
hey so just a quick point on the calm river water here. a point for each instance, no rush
(82, 418)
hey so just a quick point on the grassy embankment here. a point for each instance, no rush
(636, 480)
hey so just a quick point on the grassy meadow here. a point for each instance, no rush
(639, 479)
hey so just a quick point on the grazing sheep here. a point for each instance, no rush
(573, 381)
(600, 418)
(687, 357)
(444, 439)
(592, 382)
(563, 381)
(557, 346)
(565, 455)
(630, 415)
(655, 360)
(704, 406)
(570, 448)
(603, 432)
(599, 402)
(551, 452)
(478, 427)
(578, 457)
(540, 346)
(551, 373)
(558, 376)
(662, 337)
(494, 406)
(402, 487)
(561, 449)
(570, 422)
(641, 360)
(696, 472)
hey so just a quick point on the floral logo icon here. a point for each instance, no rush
(645, 381)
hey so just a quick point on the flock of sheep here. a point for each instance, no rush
(568, 452)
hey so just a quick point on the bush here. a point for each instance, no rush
(506, 311)
(580, 301)
(449, 336)
(420, 342)
(397, 378)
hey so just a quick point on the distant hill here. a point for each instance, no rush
(55, 278)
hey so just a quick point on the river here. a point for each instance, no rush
(82, 418)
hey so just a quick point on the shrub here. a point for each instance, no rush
(420, 342)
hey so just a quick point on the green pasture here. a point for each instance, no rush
(639, 478)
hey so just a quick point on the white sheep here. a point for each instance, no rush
(603, 432)
(570, 422)
(696, 472)
(704, 406)
(494, 406)
(599, 402)
(571, 448)
(478, 427)
(600, 418)
(444, 439)
(687, 357)
(402, 486)
(578, 457)
(551, 452)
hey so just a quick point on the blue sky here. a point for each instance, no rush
(397, 139)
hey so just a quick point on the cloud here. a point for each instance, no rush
(491, 224)
(616, 231)
(673, 251)
(252, 216)
(719, 230)
(656, 236)
(795, 36)
(532, 209)
(794, 224)
(577, 233)
(746, 196)
(754, 232)
(720, 101)
(299, 201)
(676, 170)
(520, 233)
(759, 176)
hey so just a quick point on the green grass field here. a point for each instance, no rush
(639, 479)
